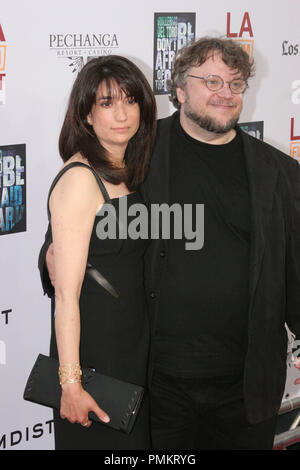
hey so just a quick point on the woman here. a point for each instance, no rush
(108, 132)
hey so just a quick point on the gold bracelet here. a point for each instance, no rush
(69, 374)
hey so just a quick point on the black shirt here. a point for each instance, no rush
(203, 307)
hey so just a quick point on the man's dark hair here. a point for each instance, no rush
(77, 135)
(195, 54)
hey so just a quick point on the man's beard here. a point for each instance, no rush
(210, 124)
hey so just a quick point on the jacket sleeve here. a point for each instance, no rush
(293, 258)
(46, 283)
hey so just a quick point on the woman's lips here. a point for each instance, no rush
(120, 129)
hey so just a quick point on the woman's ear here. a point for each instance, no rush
(89, 119)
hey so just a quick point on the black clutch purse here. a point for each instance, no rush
(120, 400)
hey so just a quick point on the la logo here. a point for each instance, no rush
(246, 26)
(293, 136)
(2, 38)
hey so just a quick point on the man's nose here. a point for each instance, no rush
(225, 91)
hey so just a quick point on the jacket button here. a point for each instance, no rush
(162, 254)
(152, 295)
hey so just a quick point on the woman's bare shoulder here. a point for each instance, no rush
(77, 157)
(78, 173)
(77, 183)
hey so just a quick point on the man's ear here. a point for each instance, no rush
(180, 95)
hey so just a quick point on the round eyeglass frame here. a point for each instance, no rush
(222, 83)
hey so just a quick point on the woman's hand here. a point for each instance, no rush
(76, 404)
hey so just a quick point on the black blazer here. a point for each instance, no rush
(274, 269)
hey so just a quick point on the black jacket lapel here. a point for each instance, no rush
(157, 184)
(262, 179)
(156, 188)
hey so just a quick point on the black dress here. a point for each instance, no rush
(114, 337)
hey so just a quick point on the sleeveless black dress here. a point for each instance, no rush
(114, 337)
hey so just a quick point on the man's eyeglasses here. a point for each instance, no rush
(216, 83)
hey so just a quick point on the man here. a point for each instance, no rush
(218, 314)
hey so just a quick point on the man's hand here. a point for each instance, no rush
(50, 264)
(297, 364)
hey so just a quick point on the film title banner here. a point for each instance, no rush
(172, 31)
(12, 189)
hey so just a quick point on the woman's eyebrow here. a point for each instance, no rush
(104, 98)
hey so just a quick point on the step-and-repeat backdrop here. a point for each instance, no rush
(43, 45)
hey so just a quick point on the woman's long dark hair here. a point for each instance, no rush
(77, 135)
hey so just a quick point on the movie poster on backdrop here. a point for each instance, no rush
(12, 189)
(172, 31)
(254, 128)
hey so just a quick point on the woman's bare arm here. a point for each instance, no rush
(73, 205)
